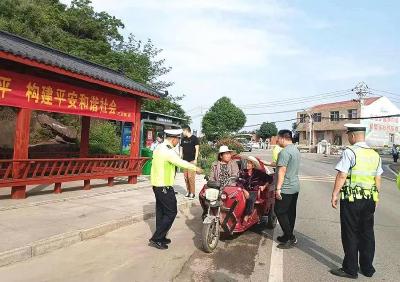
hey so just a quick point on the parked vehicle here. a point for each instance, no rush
(224, 211)
(247, 145)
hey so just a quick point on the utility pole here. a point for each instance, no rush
(361, 90)
(310, 128)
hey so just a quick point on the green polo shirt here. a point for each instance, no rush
(289, 157)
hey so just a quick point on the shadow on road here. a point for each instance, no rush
(322, 255)
(149, 217)
(195, 224)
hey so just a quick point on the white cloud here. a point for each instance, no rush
(248, 50)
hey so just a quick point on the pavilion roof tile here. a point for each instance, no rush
(25, 48)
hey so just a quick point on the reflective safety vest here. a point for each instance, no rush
(165, 161)
(275, 153)
(360, 181)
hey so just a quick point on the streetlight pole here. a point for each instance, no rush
(310, 129)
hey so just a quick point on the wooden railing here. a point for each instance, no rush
(42, 171)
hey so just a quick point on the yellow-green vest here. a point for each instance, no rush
(360, 182)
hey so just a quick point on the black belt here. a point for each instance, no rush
(164, 187)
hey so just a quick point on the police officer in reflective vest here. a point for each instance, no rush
(357, 185)
(165, 161)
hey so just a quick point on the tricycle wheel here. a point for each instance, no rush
(210, 236)
(272, 219)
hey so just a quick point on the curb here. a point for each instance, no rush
(64, 240)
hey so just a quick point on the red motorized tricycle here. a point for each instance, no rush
(224, 210)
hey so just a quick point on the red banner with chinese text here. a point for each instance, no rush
(24, 91)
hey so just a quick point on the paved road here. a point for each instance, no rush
(123, 255)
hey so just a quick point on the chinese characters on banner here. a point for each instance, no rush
(390, 125)
(24, 91)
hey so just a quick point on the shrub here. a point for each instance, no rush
(104, 138)
(233, 144)
(208, 153)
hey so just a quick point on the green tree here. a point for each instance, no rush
(295, 132)
(267, 130)
(169, 105)
(81, 31)
(95, 36)
(222, 119)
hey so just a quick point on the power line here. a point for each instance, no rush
(294, 102)
(277, 121)
(288, 101)
(384, 91)
(359, 118)
(271, 113)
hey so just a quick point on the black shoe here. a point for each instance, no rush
(282, 239)
(288, 244)
(157, 244)
(166, 241)
(341, 273)
(368, 273)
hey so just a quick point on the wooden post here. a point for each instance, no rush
(21, 147)
(84, 148)
(110, 181)
(135, 139)
(57, 188)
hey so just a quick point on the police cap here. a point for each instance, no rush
(173, 132)
(355, 127)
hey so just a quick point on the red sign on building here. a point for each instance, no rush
(24, 91)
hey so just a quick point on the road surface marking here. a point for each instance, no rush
(276, 266)
(317, 178)
(260, 268)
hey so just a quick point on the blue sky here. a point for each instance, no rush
(256, 52)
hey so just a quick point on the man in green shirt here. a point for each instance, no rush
(287, 188)
(165, 161)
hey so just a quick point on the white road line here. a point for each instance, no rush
(276, 267)
(391, 170)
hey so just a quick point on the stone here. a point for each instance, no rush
(67, 133)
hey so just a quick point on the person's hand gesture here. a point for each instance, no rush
(334, 201)
(199, 170)
(278, 195)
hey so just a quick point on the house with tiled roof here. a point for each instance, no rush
(326, 122)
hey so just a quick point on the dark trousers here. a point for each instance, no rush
(357, 225)
(285, 211)
(166, 211)
(395, 158)
(250, 202)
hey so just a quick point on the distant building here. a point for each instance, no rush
(328, 122)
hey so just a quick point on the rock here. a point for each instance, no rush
(67, 133)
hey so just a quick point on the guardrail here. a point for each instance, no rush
(44, 171)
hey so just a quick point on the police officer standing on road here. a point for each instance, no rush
(358, 182)
(165, 160)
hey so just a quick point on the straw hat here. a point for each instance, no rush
(253, 160)
(224, 149)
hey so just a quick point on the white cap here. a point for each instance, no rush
(224, 149)
(173, 132)
(355, 127)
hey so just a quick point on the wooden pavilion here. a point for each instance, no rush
(36, 77)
